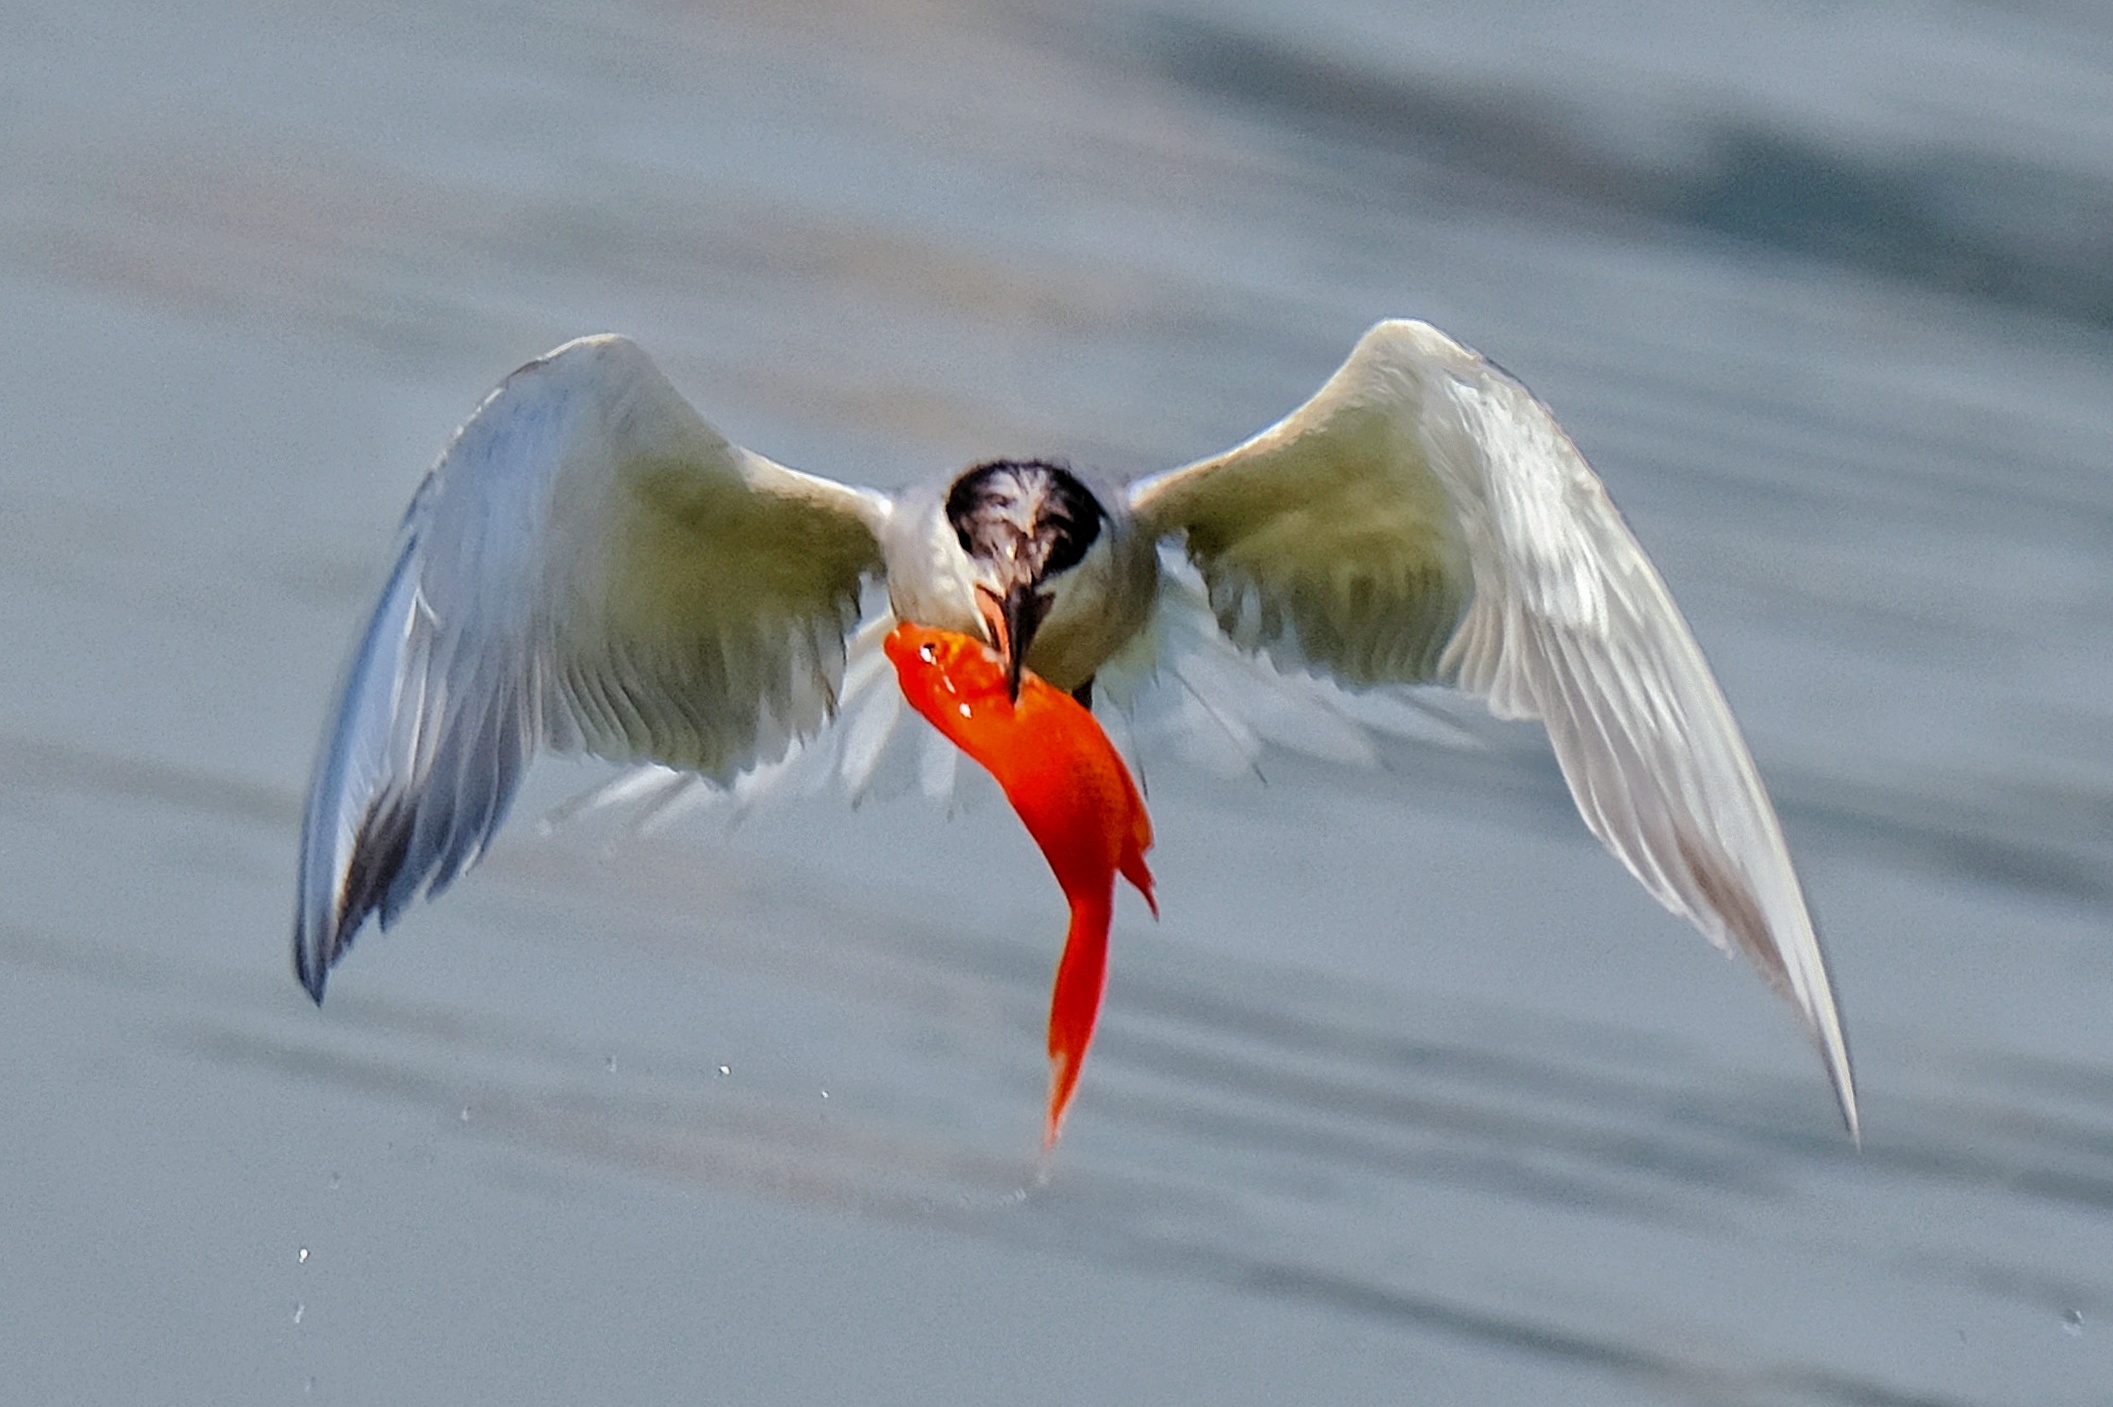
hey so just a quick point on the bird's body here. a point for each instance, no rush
(1099, 600)
(592, 567)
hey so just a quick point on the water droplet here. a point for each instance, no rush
(2072, 1322)
(726, 1070)
(302, 1258)
(298, 1311)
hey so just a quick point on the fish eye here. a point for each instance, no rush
(927, 653)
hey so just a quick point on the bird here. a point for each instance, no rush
(592, 567)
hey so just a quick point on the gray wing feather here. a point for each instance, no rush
(1424, 519)
(590, 565)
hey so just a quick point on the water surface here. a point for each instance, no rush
(1412, 1095)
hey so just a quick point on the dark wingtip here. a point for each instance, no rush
(309, 973)
(374, 884)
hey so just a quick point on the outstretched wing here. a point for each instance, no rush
(1424, 519)
(590, 565)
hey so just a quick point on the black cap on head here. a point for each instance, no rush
(1031, 510)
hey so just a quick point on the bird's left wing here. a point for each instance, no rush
(1424, 520)
(589, 566)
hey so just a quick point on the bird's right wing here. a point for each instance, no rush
(878, 749)
(590, 566)
(1423, 519)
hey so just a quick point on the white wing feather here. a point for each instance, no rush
(590, 565)
(1424, 519)
(878, 749)
(1183, 689)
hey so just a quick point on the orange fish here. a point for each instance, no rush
(1072, 792)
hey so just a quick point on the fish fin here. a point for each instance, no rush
(1133, 868)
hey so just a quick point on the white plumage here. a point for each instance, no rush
(592, 566)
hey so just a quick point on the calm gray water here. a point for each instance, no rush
(1412, 1096)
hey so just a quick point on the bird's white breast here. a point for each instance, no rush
(1097, 606)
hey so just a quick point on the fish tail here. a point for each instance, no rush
(1082, 975)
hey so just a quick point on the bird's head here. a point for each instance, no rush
(1024, 524)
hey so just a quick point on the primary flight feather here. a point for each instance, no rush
(592, 567)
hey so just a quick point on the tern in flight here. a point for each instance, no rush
(592, 567)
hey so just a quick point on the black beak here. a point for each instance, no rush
(1022, 610)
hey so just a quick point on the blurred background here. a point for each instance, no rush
(1412, 1095)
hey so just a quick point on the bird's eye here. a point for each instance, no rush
(927, 653)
